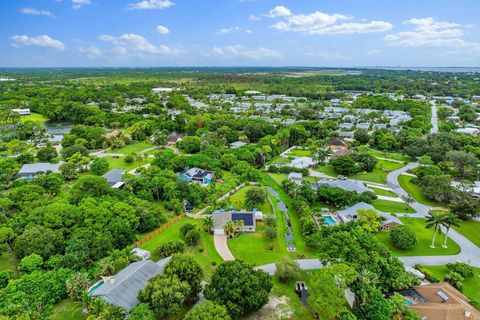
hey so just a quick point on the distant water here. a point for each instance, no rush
(432, 69)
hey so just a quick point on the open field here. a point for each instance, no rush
(470, 286)
(392, 206)
(424, 239)
(382, 192)
(35, 117)
(471, 230)
(386, 155)
(115, 163)
(415, 191)
(300, 153)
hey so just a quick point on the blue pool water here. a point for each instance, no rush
(329, 220)
(408, 302)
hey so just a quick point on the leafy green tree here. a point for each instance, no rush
(403, 237)
(344, 165)
(77, 284)
(378, 308)
(89, 186)
(40, 240)
(326, 298)
(31, 263)
(141, 312)
(208, 310)
(370, 220)
(187, 269)
(287, 269)
(170, 247)
(47, 153)
(254, 196)
(227, 161)
(165, 295)
(99, 166)
(237, 286)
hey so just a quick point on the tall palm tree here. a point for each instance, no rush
(434, 219)
(451, 219)
(207, 224)
(229, 228)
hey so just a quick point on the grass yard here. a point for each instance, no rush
(392, 206)
(415, 191)
(135, 147)
(35, 117)
(470, 286)
(424, 239)
(471, 231)
(300, 153)
(67, 310)
(237, 200)
(382, 192)
(386, 155)
(378, 175)
(115, 163)
(207, 258)
(7, 262)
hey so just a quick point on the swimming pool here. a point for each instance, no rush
(330, 221)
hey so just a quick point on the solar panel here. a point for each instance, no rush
(442, 295)
(246, 217)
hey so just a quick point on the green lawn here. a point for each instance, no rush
(207, 258)
(424, 239)
(278, 177)
(378, 175)
(382, 192)
(470, 286)
(237, 200)
(67, 310)
(135, 147)
(415, 191)
(300, 153)
(115, 163)
(35, 117)
(7, 262)
(392, 206)
(386, 155)
(471, 231)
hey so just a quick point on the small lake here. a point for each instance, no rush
(58, 127)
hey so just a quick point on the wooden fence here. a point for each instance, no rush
(159, 230)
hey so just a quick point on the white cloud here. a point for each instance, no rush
(238, 51)
(162, 29)
(323, 23)
(43, 41)
(233, 29)
(134, 43)
(77, 4)
(279, 11)
(151, 4)
(254, 18)
(34, 11)
(431, 33)
(91, 52)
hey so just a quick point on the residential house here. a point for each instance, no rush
(345, 126)
(114, 178)
(22, 112)
(440, 301)
(302, 162)
(347, 184)
(198, 175)
(237, 144)
(351, 214)
(295, 177)
(468, 131)
(220, 218)
(363, 125)
(122, 289)
(174, 138)
(30, 170)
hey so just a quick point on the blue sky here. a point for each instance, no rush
(331, 33)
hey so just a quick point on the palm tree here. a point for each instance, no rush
(229, 228)
(434, 219)
(239, 223)
(451, 219)
(207, 224)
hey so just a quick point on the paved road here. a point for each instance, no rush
(434, 118)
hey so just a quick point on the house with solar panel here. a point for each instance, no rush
(198, 175)
(220, 218)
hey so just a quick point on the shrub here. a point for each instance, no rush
(192, 237)
(170, 247)
(185, 228)
(287, 269)
(463, 269)
(403, 237)
(455, 279)
(428, 275)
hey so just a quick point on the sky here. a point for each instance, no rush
(318, 33)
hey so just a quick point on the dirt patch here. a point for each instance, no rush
(276, 308)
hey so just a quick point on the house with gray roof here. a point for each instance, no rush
(351, 214)
(122, 289)
(363, 125)
(237, 144)
(220, 218)
(30, 170)
(114, 178)
(345, 126)
(347, 184)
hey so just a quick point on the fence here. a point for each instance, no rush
(159, 230)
